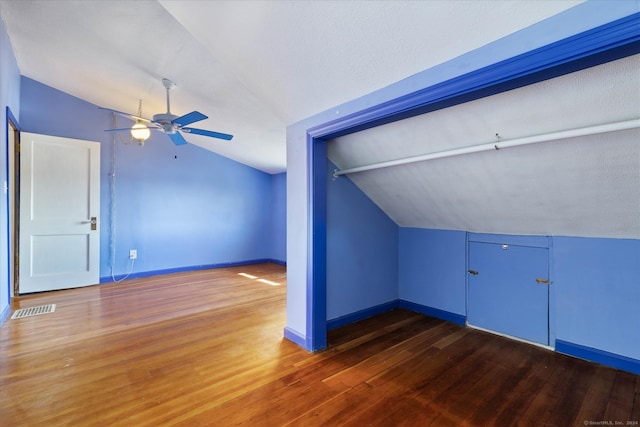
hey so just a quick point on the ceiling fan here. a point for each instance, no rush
(168, 123)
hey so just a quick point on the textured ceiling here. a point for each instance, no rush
(303, 57)
(257, 66)
(583, 186)
(252, 66)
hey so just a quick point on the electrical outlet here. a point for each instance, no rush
(133, 254)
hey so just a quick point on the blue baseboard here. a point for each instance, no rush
(383, 308)
(360, 315)
(599, 356)
(433, 312)
(137, 275)
(295, 337)
(5, 314)
(277, 261)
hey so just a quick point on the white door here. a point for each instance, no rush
(59, 207)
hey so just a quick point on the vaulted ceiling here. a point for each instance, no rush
(257, 66)
(252, 66)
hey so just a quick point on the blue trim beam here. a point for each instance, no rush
(317, 273)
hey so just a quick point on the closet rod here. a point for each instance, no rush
(571, 133)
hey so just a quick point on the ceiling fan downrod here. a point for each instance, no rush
(168, 84)
(166, 120)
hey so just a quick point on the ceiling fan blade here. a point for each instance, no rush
(210, 133)
(118, 130)
(177, 138)
(192, 117)
(151, 126)
(127, 115)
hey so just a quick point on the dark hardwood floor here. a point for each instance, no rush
(206, 348)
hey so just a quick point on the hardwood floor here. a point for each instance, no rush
(206, 348)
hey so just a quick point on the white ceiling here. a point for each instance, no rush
(257, 66)
(252, 66)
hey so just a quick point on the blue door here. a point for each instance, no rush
(508, 290)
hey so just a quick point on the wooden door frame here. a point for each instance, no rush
(13, 202)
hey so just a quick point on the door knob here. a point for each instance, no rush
(94, 222)
(475, 273)
(545, 281)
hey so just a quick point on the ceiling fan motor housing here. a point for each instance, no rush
(166, 121)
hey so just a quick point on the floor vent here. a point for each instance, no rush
(34, 311)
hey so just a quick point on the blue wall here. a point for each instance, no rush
(433, 268)
(181, 207)
(278, 236)
(362, 251)
(9, 98)
(597, 292)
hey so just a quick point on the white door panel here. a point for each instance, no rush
(59, 196)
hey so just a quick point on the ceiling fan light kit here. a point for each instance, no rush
(168, 123)
(139, 131)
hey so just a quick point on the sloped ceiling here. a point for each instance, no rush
(252, 66)
(581, 186)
